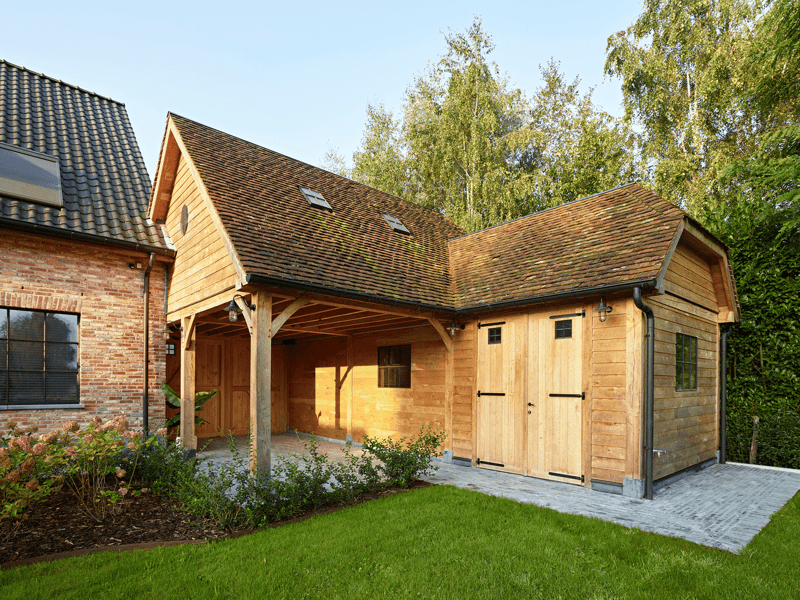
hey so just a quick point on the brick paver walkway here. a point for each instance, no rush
(723, 506)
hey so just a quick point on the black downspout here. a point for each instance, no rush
(723, 401)
(648, 396)
(145, 399)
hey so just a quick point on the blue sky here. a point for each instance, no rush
(294, 77)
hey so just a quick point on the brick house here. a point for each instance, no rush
(83, 270)
(315, 303)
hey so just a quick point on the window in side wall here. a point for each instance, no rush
(38, 357)
(394, 366)
(685, 362)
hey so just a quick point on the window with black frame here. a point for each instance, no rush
(685, 362)
(38, 357)
(394, 366)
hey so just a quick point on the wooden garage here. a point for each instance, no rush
(359, 313)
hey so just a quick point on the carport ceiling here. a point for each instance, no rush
(313, 320)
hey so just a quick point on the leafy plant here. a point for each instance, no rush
(99, 462)
(25, 466)
(174, 401)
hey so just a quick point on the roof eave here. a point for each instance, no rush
(567, 295)
(84, 237)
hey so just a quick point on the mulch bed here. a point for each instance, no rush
(58, 527)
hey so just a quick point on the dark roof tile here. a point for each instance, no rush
(95, 144)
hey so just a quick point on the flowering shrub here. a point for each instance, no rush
(97, 464)
(98, 460)
(25, 463)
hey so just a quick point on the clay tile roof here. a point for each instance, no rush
(104, 182)
(278, 234)
(617, 237)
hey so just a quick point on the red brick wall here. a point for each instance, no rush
(40, 272)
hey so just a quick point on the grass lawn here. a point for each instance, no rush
(438, 542)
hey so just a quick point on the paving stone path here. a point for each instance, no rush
(723, 506)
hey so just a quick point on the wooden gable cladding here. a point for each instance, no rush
(203, 268)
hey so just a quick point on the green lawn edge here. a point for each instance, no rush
(437, 542)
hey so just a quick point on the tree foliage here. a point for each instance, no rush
(474, 148)
(682, 66)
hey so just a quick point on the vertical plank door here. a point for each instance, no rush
(501, 392)
(209, 377)
(556, 384)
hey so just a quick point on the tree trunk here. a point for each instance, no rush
(754, 443)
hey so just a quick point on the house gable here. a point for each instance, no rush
(697, 270)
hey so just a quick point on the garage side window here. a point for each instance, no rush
(394, 367)
(38, 358)
(685, 362)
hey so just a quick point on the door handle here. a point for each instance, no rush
(531, 404)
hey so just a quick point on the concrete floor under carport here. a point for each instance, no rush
(722, 506)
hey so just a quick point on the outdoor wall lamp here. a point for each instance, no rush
(233, 309)
(167, 333)
(454, 328)
(603, 310)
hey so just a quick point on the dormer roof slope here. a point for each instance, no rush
(280, 235)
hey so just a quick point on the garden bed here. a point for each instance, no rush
(57, 525)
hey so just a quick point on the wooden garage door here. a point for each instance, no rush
(501, 393)
(555, 390)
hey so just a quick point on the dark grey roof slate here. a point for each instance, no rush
(104, 182)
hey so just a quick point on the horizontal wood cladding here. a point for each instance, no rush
(608, 380)
(689, 276)
(320, 390)
(464, 378)
(202, 266)
(685, 422)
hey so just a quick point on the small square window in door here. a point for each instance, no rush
(563, 329)
(495, 335)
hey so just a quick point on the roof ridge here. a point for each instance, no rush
(64, 83)
(544, 210)
(302, 162)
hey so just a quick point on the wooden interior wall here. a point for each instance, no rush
(464, 390)
(685, 422)
(224, 364)
(315, 405)
(202, 266)
(610, 402)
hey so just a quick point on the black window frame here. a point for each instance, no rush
(26, 364)
(685, 362)
(494, 335)
(563, 329)
(394, 366)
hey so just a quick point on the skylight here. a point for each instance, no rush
(315, 198)
(395, 223)
(30, 175)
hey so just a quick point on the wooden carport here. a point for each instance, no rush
(281, 315)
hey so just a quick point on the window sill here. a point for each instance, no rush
(41, 406)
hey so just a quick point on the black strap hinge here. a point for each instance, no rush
(490, 394)
(582, 395)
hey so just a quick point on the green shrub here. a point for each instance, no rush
(163, 464)
(232, 496)
(778, 438)
(405, 461)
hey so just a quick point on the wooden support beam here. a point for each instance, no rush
(188, 438)
(286, 314)
(349, 396)
(448, 398)
(261, 383)
(448, 341)
(308, 329)
(189, 324)
(246, 312)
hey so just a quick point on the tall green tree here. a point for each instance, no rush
(682, 65)
(577, 149)
(476, 149)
